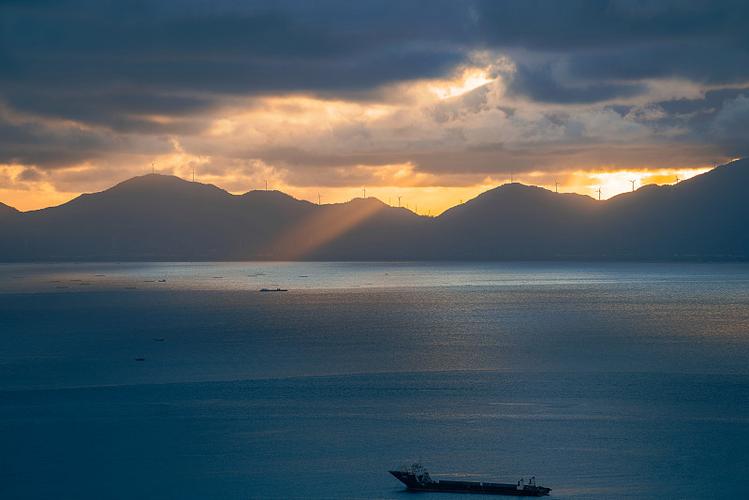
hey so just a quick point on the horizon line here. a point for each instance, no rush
(405, 206)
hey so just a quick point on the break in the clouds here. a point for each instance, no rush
(393, 93)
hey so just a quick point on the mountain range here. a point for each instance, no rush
(160, 217)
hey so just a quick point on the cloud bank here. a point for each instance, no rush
(334, 94)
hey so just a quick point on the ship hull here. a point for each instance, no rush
(471, 487)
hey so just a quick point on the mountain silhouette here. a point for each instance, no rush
(6, 210)
(160, 217)
(515, 221)
(703, 217)
(164, 217)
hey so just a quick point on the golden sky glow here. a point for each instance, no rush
(423, 199)
(430, 105)
(433, 142)
(617, 182)
(469, 79)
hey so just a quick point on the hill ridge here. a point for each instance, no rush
(157, 217)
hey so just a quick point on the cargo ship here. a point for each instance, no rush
(416, 477)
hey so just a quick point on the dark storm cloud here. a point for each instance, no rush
(730, 125)
(603, 48)
(550, 25)
(540, 84)
(709, 103)
(115, 65)
(58, 146)
(720, 117)
(708, 61)
(122, 111)
(214, 49)
(33, 144)
(247, 47)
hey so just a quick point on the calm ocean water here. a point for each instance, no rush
(603, 380)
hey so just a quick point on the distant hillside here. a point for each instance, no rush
(704, 217)
(158, 217)
(6, 210)
(515, 221)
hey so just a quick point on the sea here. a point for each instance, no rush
(185, 381)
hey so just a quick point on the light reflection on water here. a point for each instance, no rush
(330, 275)
(604, 380)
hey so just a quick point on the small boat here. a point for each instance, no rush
(159, 339)
(416, 478)
(273, 290)
(140, 359)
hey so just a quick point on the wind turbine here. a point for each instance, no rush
(599, 193)
(399, 202)
(318, 199)
(633, 185)
(556, 186)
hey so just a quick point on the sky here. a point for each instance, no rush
(430, 101)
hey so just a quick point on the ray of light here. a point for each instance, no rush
(322, 227)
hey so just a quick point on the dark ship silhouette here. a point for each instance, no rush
(416, 477)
